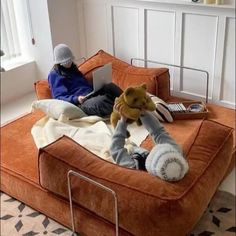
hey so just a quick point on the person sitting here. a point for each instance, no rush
(69, 84)
(165, 160)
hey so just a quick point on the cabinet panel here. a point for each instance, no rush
(160, 38)
(189, 35)
(198, 51)
(125, 32)
(228, 75)
(95, 27)
(160, 35)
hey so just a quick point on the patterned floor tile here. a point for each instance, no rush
(18, 219)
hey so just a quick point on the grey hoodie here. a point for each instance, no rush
(138, 157)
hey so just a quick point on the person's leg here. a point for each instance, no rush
(111, 90)
(157, 130)
(100, 105)
(118, 150)
(102, 102)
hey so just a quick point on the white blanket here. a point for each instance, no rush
(92, 132)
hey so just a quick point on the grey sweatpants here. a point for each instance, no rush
(156, 130)
(101, 103)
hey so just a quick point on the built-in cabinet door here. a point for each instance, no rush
(189, 35)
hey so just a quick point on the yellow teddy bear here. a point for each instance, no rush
(131, 102)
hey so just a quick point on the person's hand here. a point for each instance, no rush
(81, 99)
(123, 118)
(119, 107)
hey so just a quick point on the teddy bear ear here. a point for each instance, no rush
(144, 86)
(129, 90)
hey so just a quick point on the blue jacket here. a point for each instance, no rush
(68, 85)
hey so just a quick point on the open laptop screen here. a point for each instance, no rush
(101, 76)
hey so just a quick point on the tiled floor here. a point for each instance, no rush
(19, 219)
(21, 106)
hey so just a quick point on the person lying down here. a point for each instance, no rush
(165, 160)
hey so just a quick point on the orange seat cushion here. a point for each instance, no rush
(164, 208)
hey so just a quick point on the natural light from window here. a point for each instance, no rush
(15, 33)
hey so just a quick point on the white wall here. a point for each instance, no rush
(63, 19)
(43, 40)
(53, 22)
(176, 32)
(17, 82)
(93, 26)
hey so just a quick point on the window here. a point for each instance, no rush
(9, 33)
(15, 32)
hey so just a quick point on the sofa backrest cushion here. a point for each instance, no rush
(123, 74)
(42, 89)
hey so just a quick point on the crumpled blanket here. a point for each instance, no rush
(92, 132)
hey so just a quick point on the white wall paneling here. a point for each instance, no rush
(176, 80)
(160, 38)
(125, 32)
(43, 53)
(63, 23)
(198, 51)
(227, 93)
(220, 47)
(81, 29)
(193, 35)
(95, 26)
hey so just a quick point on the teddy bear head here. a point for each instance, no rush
(136, 97)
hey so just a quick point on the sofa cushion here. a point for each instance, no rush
(17, 153)
(162, 111)
(124, 75)
(58, 109)
(163, 208)
(42, 89)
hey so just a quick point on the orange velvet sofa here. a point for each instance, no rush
(146, 205)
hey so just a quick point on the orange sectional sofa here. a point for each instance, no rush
(146, 205)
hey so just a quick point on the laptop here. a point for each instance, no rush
(101, 76)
